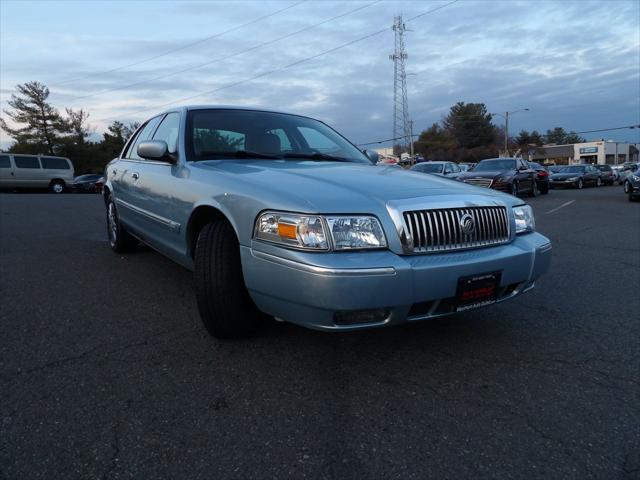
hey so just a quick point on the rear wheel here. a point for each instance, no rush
(57, 186)
(120, 240)
(514, 189)
(544, 189)
(533, 191)
(226, 309)
(627, 187)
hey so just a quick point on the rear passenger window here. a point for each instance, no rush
(4, 161)
(168, 131)
(144, 134)
(54, 163)
(26, 162)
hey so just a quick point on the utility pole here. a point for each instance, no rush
(411, 137)
(401, 127)
(506, 134)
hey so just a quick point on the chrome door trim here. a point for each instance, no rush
(165, 222)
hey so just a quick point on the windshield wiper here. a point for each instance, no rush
(314, 156)
(239, 154)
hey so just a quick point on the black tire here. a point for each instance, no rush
(580, 184)
(598, 182)
(627, 187)
(544, 189)
(57, 186)
(514, 189)
(226, 309)
(533, 191)
(120, 240)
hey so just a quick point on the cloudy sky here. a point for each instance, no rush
(573, 64)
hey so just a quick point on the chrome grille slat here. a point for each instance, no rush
(440, 230)
(480, 182)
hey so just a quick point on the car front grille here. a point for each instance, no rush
(480, 182)
(442, 230)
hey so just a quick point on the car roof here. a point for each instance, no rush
(228, 107)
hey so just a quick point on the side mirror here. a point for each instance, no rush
(372, 155)
(155, 150)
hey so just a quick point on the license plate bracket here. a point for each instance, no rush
(477, 290)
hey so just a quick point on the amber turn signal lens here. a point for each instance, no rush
(286, 230)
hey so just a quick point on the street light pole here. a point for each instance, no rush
(506, 126)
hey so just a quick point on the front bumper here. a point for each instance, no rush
(310, 288)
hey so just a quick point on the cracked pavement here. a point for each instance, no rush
(107, 373)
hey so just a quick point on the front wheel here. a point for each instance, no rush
(57, 186)
(580, 184)
(120, 240)
(627, 187)
(599, 182)
(226, 309)
(514, 189)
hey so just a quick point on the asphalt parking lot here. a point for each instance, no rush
(106, 371)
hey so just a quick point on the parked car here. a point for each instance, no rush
(35, 171)
(606, 174)
(511, 175)
(279, 214)
(576, 176)
(628, 169)
(444, 169)
(542, 177)
(99, 184)
(634, 186)
(87, 183)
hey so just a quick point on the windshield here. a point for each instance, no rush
(495, 165)
(216, 133)
(428, 167)
(573, 169)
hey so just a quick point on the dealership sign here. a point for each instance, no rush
(589, 150)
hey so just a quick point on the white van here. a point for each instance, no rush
(35, 171)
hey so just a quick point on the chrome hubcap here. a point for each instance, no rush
(57, 188)
(113, 223)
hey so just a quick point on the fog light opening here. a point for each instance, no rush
(357, 317)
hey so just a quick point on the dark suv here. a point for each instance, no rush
(542, 177)
(606, 174)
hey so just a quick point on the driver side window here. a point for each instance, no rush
(317, 141)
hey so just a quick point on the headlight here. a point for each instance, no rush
(635, 178)
(312, 232)
(299, 231)
(505, 179)
(524, 219)
(350, 233)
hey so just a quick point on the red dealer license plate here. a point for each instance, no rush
(477, 291)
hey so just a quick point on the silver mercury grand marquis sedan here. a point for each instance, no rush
(278, 214)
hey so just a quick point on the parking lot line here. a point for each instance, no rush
(565, 204)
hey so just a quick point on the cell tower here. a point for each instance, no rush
(401, 122)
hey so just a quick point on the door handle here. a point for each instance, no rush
(135, 175)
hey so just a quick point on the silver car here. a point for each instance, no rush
(278, 214)
(444, 169)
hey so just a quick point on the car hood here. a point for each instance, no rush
(336, 186)
(486, 174)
